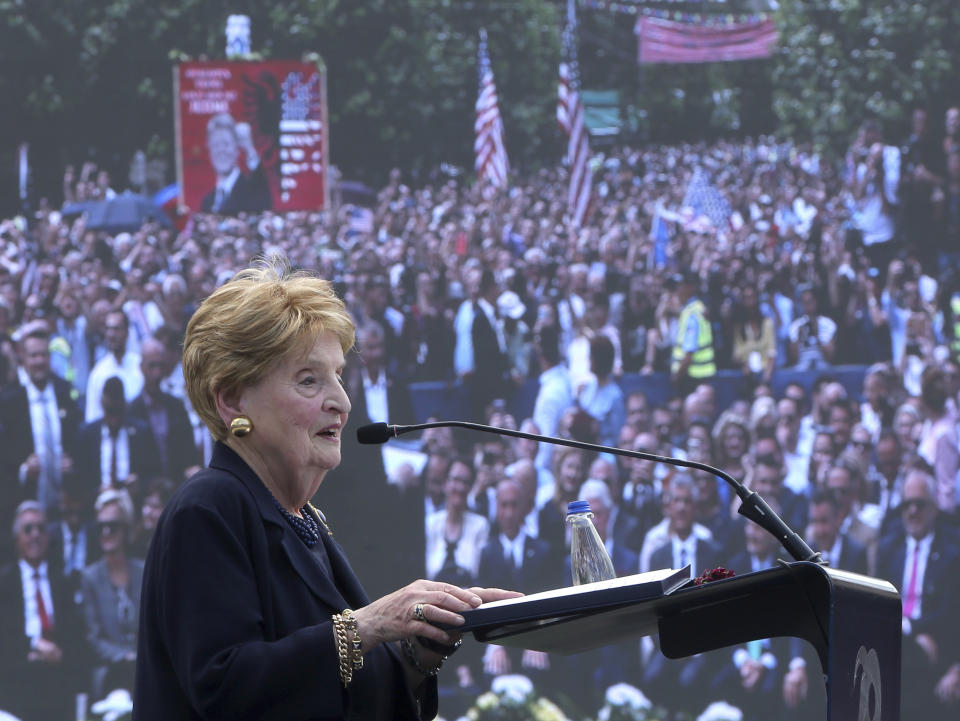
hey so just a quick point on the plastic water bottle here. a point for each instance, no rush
(589, 560)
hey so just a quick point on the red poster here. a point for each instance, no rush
(251, 136)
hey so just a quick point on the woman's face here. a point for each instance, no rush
(734, 441)
(822, 452)
(298, 411)
(457, 486)
(113, 530)
(150, 512)
(905, 426)
(571, 473)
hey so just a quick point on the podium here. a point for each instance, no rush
(852, 621)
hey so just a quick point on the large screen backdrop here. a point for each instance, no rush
(251, 136)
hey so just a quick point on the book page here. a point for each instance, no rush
(634, 580)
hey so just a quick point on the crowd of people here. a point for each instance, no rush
(816, 262)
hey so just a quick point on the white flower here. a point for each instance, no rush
(487, 701)
(514, 687)
(116, 704)
(623, 694)
(546, 710)
(721, 711)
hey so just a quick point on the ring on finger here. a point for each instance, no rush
(418, 613)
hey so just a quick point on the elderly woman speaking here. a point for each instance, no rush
(250, 609)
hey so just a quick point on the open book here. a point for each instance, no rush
(515, 615)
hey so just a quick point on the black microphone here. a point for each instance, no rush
(752, 506)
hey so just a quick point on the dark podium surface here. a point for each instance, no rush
(852, 621)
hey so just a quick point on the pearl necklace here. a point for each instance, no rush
(305, 527)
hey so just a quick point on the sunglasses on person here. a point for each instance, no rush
(919, 504)
(31, 528)
(110, 527)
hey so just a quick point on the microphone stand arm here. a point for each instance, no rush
(752, 506)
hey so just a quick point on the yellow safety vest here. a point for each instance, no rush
(702, 365)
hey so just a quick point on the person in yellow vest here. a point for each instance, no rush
(693, 357)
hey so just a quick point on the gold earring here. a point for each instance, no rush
(241, 426)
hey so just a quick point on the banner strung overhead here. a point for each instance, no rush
(666, 41)
(251, 136)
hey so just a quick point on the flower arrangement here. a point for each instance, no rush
(721, 711)
(715, 574)
(624, 702)
(512, 698)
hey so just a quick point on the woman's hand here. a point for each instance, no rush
(393, 616)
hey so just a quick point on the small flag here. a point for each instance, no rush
(706, 201)
(360, 220)
(491, 163)
(168, 200)
(660, 234)
(23, 170)
(570, 116)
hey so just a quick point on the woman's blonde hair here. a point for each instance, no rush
(726, 420)
(119, 498)
(249, 324)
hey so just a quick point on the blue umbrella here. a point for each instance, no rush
(125, 212)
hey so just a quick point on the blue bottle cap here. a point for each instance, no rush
(578, 507)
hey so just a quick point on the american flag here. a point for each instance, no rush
(491, 156)
(706, 201)
(570, 117)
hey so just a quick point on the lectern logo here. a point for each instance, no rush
(866, 671)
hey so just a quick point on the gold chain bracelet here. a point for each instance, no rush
(343, 650)
(353, 636)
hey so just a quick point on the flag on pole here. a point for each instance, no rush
(23, 170)
(661, 235)
(570, 117)
(706, 201)
(491, 162)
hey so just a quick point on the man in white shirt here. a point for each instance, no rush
(923, 561)
(684, 541)
(479, 356)
(39, 626)
(513, 559)
(812, 342)
(555, 394)
(788, 436)
(39, 419)
(117, 362)
(370, 343)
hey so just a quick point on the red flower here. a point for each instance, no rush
(715, 574)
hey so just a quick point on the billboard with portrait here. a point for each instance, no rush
(251, 136)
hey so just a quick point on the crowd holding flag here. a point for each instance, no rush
(570, 115)
(704, 205)
(491, 163)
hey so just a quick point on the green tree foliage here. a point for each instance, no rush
(841, 61)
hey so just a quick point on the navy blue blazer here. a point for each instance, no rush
(180, 451)
(30, 689)
(708, 557)
(853, 556)
(235, 615)
(17, 445)
(144, 456)
(941, 582)
(541, 569)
